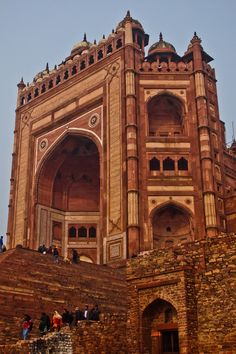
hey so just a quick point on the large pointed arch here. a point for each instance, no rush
(166, 113)
(58, 141)
(68, 191)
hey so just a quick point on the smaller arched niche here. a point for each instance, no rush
(87, 259)
(171, 225)
(165, 116)
(160, 328)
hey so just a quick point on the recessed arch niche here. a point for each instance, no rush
(68, 187)
(69, 178)
(171, 224)
(165, 115)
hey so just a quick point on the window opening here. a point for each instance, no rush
(109, 49)
(154, 164)
(66, 75)
(43, 89)
(168, 164)
(92, 232)
(91, 59)
(118, 44)
(82, 232)
(74, 70)
(72, 232)
(50, 85)
(82, 65)
(100, 54)
(36, 92)
(58, 80)
(182, 164)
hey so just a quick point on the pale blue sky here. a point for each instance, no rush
(35, 32)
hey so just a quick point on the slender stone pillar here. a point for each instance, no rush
(204, 137)
(131, 141)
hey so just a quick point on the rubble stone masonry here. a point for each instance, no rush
(187, 290)
(89, 337)
(198, 280)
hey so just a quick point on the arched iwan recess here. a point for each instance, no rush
(165, 116)
(171, 225)
(68, 188)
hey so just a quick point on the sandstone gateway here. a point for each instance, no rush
(123, 156)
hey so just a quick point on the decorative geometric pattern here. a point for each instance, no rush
(94, 120)
(43, 144)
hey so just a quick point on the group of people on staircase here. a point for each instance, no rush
(54, 251)
(57, 320)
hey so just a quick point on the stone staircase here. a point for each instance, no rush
(31, 282)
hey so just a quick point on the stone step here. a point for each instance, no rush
(32, 283)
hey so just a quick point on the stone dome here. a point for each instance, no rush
(103, 40)
(79, 47)
(135, 23)
(161, 46)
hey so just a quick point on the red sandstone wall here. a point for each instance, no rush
(198, 280)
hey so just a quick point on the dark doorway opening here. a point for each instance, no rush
(170, 342)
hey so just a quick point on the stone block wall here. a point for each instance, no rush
(107, 337)
(198, 280)
(216, 297)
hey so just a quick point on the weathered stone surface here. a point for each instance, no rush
(31, 283)
(196, 279)
(107, 336)
(202, 294)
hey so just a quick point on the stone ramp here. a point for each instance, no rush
(32, 283)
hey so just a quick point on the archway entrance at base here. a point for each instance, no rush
(160, 328)
(68, 197)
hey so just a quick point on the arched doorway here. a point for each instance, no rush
(165, 116)
(68, 195)
(171, 224)
(160, 328)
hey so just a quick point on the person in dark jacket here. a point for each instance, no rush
(55, 255)
(65, 317)
(44, 325)
(79, 316)
(94, 313)
(1, 243)
(75, 256)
